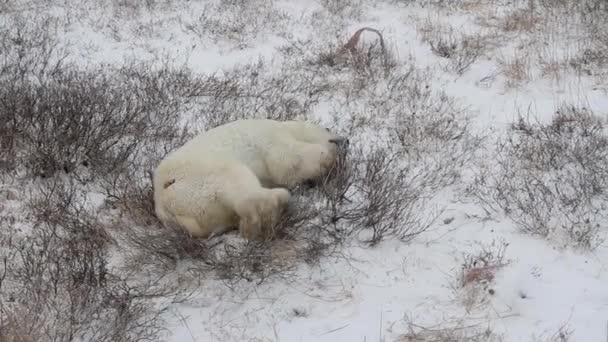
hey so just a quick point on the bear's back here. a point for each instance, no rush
(242, 140)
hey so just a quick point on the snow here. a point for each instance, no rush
(365, 294)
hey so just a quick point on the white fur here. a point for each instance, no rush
(222, 178)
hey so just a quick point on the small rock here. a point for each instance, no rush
(298, 312)
(9, 194)
(448, 220)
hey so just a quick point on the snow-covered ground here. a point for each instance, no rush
(538, 288)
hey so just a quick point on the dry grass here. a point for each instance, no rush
(562, 334)
(461, 50)
(475, 280)
(458, 331)
(519, 21)
(516, 70)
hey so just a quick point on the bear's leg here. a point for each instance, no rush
(191, 225)
(297, 162)
(246, 208)
(258, 212)
(255, 206)
(275, 200)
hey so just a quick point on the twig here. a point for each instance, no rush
(351, 45)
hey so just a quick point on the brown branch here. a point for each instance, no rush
(354, 40)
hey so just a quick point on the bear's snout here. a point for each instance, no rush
(341, 142)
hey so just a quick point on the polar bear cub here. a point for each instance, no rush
(237, 174)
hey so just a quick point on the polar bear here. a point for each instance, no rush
(238, 174)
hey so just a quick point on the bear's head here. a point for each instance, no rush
(313, 133)
(337, 146)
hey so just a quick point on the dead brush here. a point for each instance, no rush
(516, 70)
(365, 59)
(61, 286)
(562, 334)
(159, 247)
(258, 90)
(476, 278)
(461, 50)
(550, 178)
(520, 20)
(30, 47)
(386, 199)
(590, 61)
(338, 186)
(294, 218)
(457, 331)
(390, 202)
(443, 48)
(237, 22)
(88, 123)
(252, 261)
(344, 9)
(481, 268)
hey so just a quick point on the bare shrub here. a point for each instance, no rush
(60, 285)
(67, 122)
(367, 62)
(536, 25)
(296, 218)
(445, 48)
(595, 22)
(156, 246)
(426, 124)
(470, 49)
(130, 8)
(251, 261)
(30, 48)
(550, 178)
(351, 65)
(259, 90)
(370, 59)
(462, 51)
(344, 9)
(91, 122)
(520, 20)
(337, 187)
(432, 129)
(422, 143)
(392, 204)
(240, 22)
(589, 61)
(373, 196)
